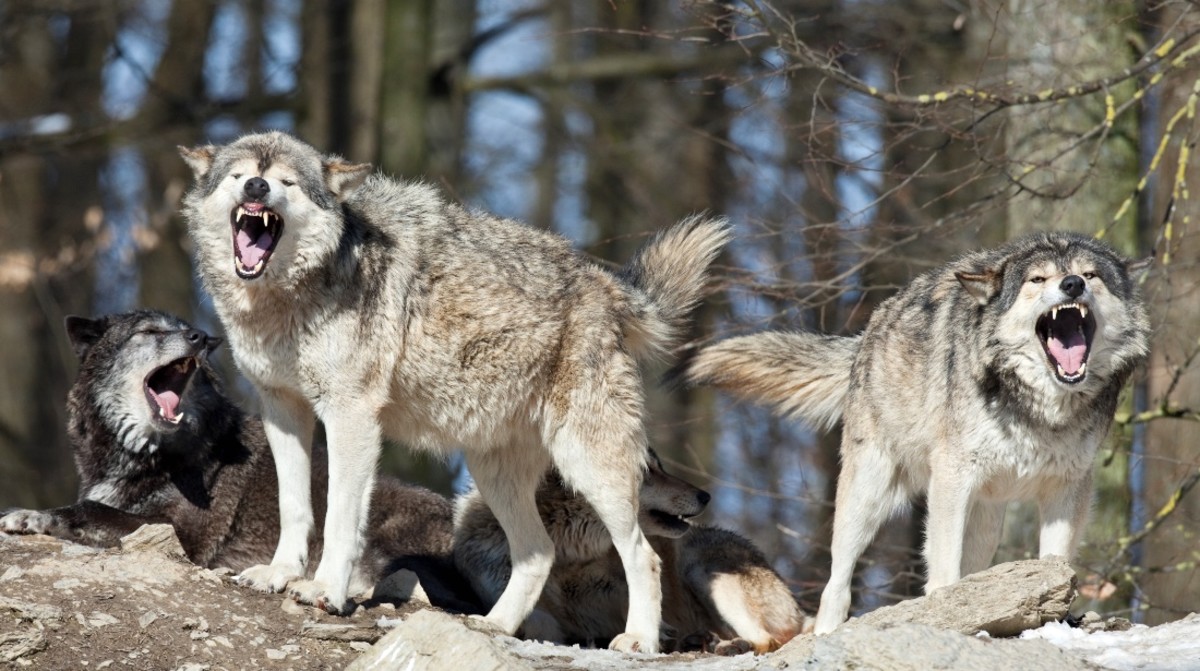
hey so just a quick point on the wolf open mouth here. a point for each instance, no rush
(676, 524)
(1066, 334)
(256, 231)
(165, 387)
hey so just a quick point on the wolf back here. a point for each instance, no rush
(382, 309)
(156, 440)
(993, 378)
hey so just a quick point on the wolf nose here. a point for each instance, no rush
(1072, 285)
(195, 336)
(257, 187)
(703, 497)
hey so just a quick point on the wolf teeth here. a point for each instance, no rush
(174, 420)
(1083, 310)
(1063, 374)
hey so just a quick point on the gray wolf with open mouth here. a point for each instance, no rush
(157, 441)
(380, 308)
(719, 591)
(991, 379)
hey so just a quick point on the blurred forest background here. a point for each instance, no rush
(854, 143)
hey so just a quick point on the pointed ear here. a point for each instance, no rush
(1133, 267)
(83, 333)
(982, 286)
(199, 159)
(343, 178)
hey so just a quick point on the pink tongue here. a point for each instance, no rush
(252, 251)
(169, 402)
(1068, 354)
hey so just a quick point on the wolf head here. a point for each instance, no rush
(140, 373)
(266, 196)
(1062, 306)
(666, 502)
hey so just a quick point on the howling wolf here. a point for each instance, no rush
(991, 379)
(380, 308)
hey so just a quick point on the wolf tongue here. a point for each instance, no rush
(252, 251)
(1068, 351)
(168, 401)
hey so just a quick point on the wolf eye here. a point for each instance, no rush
(236, 175)
(1089, 275)
(1037, 279)
(287, 182)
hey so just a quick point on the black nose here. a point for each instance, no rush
(703, 497)
(257, 187)
(1072, 285)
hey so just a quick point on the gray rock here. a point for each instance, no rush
(1002, 601)
(918, 647)
(430, 640)
(340, 632)
(154, 538)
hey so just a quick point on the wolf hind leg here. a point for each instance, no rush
(869, 491)
(507, 480)
(288, 422)
(607, 471)
(985, 525)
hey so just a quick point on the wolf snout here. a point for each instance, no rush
(201, 340)
(256, 188)
(1073, 286)
(703, 497)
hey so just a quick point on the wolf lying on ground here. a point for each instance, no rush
(157, 441)
(715, 583)
(383, 310)
(991, 379)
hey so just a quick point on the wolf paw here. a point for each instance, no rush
(269, 577)
(315, 593)
(735, 646)
(628, 642)
(481, 624)
(26, 522)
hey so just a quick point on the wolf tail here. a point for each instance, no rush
(666, 281)
(802, 375)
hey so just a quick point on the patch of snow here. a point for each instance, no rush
(1174, 646)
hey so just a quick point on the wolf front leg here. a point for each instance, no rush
(288, 421)
(1064, 514)
(354, 444)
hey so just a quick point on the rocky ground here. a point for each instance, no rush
(143, 606)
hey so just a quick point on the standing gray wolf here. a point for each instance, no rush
(991, 379)
(156, 440)
(715, 583)
(383, 310)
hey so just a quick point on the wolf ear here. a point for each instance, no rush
(343, 178)
(199, 159)
(83, 333)
(982, 286)
(1133, 267)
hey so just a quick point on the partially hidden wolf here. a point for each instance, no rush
(157, 441)
(380, 308)
(991, 379)
(719, 592)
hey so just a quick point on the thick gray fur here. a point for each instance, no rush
(950, 391)
(210, 475)
(386, 311)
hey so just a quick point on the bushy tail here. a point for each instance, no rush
(666, 280)
(803, 375)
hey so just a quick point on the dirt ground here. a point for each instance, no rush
(65, 606)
